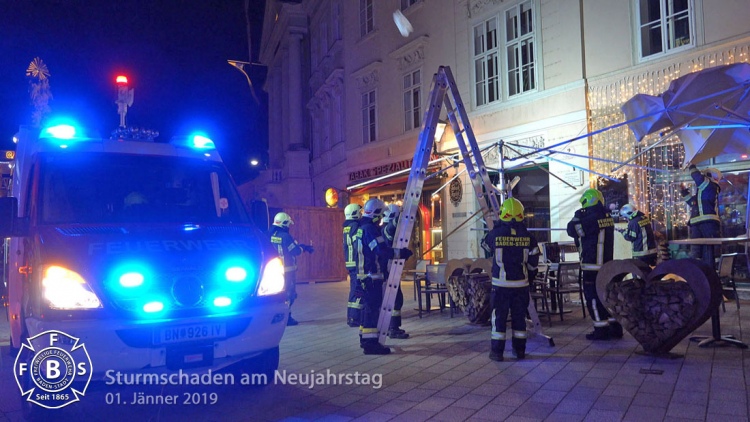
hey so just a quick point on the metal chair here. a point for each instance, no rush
(419, 272)
(561, 277)
(726, 275)
(434, 282)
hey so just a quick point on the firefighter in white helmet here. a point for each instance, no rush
(515, 256)
(704, 211)
(390, 221)
(372, 245)
(640, 234)
(289, 250)
(352, 214)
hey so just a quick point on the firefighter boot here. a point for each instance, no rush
(375, 348)
(615, 329)
(291, 321)
(394, 331)
(519, 347)
(599, 333)
(496, 350)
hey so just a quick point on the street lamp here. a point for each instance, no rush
(240, 65)
(254, 162)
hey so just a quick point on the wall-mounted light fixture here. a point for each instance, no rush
(440, 129)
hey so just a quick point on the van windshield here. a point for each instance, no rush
(94, 188)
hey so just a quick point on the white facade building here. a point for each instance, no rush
(347, 95)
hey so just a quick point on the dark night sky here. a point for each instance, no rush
(174, 53)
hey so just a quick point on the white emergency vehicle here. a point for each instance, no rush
(143, 250)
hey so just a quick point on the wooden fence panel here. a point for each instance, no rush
(321, 228)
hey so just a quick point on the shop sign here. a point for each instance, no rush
(381, 170)
(456, 191)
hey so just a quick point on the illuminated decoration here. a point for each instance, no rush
(134, 134)
(121, 80)
(332, 197)
(654, 192)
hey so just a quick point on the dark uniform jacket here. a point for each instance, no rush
(593, 230)
(389, 231)
(516, 254)
(641, 233)
(287, 247)
(373, 246)
(350, 244)
(704, 205)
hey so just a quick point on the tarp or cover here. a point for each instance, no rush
(709, 110)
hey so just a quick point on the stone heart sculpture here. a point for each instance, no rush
(655, 308)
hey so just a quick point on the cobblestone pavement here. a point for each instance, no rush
(442, 373)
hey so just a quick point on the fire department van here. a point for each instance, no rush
(142, 250)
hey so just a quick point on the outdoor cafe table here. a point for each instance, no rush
(716, 339)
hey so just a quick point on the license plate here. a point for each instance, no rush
(191, 332)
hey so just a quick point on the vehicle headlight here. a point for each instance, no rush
(66, 289)
(272, 281)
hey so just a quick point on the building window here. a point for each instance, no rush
(405, 4)
(369, 121)
(412, 102)
(366, 22)
(664, 25)
(486, 72)
(518, 57)
(519, 46)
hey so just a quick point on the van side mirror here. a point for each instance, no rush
(259, 214)
(8, 216)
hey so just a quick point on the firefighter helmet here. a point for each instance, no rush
(713, 173)
(391, 213)
(373, 209)
(591, 197)
(353, 211)
(512, 209)
(628, 211)
(282, 219)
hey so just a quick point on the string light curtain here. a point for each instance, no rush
(655, 192)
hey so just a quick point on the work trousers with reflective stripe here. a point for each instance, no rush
(354, 306)
(515, 300)
(396, 312)
(596, 309)
(372, 298)
(710, 229)
(290, 278)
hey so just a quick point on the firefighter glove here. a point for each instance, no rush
(307, 248)
(403, 253)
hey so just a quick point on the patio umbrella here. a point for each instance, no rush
(709, 110)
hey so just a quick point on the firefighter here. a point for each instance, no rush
(592, 228)
(704, 211)
(640, 234)
(352, 214)
(515, 256)
(289, 250)
(372, 246)
(390, 221)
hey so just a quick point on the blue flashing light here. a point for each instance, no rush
(152, 307)
(222, 301)
(201, 142)
(132, 279)
(236, 274)
(63, 131)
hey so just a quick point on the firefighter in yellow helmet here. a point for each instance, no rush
(592, 228)
(515, 256)
(288, 250)
(352, 214)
